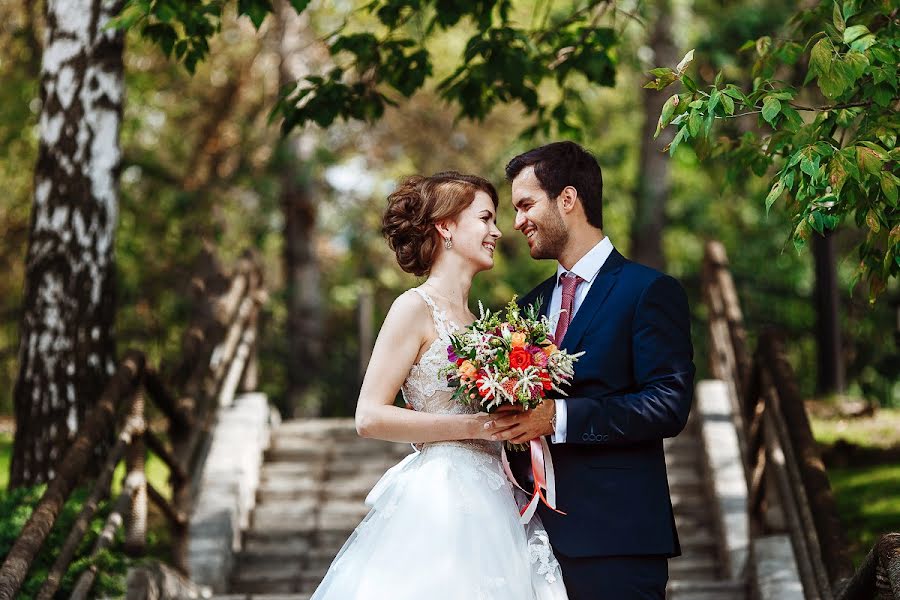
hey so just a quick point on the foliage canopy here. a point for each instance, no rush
(825, 99)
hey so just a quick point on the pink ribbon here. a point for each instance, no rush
(544, 478)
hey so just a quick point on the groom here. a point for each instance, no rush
(632, 387)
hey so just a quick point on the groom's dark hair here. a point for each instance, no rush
(562, 164)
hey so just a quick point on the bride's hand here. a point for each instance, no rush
(480, 426)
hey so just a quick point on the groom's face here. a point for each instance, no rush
(538, 216)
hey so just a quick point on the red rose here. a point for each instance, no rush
(519, 358)
(545, 380)
(460, 361)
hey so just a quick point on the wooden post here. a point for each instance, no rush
(83, 521)
(107, 536)
(809, 461)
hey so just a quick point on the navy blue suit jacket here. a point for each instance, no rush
(632, 388)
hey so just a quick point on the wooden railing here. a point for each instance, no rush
(789, 489)
(217, 355)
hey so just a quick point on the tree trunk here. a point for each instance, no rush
(830, 359)
(653, 177)
(301, 269)
(66, 351)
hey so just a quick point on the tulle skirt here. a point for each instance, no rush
(444, 525)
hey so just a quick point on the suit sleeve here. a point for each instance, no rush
(663, 370)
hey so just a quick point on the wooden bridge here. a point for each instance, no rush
(260, 508)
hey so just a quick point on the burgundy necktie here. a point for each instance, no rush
(570, 283)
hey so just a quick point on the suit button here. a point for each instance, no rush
(593, 437)
(585, 437)
(605, 437)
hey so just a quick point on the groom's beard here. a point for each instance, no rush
(550, 237)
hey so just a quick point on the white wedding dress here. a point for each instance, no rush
(444, 523)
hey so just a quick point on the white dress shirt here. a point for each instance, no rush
(586, 268)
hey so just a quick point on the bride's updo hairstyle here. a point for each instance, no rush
(420, 202)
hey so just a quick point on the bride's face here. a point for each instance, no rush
(475, 232)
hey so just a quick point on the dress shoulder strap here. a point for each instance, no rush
(438, 316)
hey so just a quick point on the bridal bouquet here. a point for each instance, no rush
(511, 358)
(507, 358)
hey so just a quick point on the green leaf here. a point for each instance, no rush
(257, 10)
(838, 19)
(837, 173)
(694, 122)
(820, 56)
(679, 137)
(770, 110)
(868, 160)
(300, 5)
(763, 44)
(889, 187)
(688, 83)
(817, 222)
(661, 71)
(774, 193)
(835, 80)
(872, 221)
(854, 32)
(728, 104)
(733, 91)
(665, 116)
(884, 55)
(857, 63)
(713, 101)
(864, 43)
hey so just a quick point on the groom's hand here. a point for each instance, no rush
(520, 427)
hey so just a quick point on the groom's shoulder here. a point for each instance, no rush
(642, 277)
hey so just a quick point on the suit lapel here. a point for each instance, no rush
(597, 295)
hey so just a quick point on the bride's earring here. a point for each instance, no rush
(448, 243)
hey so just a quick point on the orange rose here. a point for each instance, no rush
(467, 370)
(551, 349)
(518, 340)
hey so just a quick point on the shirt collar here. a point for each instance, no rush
(591, 263)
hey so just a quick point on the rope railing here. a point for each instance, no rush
(217, 353)
(787, 480)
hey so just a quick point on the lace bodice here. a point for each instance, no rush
(425, 389)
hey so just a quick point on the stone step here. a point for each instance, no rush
(694, 567)
(706, 590)
(697, 540)
(292, 470)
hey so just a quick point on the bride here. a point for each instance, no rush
(444, 522)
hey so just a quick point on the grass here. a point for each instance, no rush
(879, 431)
(868, 500)
(156, 469)
(867, 497)
(5, 455)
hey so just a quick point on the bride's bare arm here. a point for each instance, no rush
(403, 336)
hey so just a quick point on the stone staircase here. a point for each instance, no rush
(698, 574)
(317, 473)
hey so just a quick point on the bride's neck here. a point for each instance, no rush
(454, 288)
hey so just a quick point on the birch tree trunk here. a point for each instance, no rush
(66, 348)
(653, 178)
